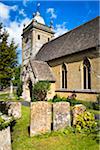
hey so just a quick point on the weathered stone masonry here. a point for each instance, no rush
(61, 115)
(46, 116)
(5, 139)
(11, 108)
(40, 118)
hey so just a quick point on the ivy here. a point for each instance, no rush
(4, 124)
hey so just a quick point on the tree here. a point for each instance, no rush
(17, 71)
(8, 58)
(17, 81)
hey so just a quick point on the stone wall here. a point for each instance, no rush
(51, 92)
(84, 96)
(5, 139)
(61, 115)
(40, 118)
(74, 64)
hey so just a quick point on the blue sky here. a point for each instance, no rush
(66, 15)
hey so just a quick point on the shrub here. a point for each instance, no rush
(67, 130)
(39, 91)
(4, 107)
(89, 105)
(85, 122)
(98, 99)
(96, 105)
(57, 98)
(1, 120)
(73, 101)
(4, 124)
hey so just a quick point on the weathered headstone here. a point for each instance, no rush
(40, 121)
(5, 139)
(77, 110)
(61, 115)
(14, 109)
(11, 109)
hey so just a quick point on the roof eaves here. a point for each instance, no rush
(69, 54)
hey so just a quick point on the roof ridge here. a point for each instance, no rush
(74, 29)
(75, 40)
(67, 33)
(38, 61)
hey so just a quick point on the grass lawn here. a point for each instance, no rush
(51, 141)
(94, 111)
(6, 97)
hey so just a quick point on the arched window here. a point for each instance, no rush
(64, 76)
(87, 73)
(38, 37)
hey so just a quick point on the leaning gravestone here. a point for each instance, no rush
(5, 139)
(40, 121)
(77, 110)
(61, 115)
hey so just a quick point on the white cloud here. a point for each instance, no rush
(52, 12)
(5, 10)
(21, 12)
(15, 30)
(14, 8)
(60, 29)
(25, 2)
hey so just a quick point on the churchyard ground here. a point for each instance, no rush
(52, 141)
(5, 96)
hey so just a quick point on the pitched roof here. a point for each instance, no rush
(42, 70)
(81, 38)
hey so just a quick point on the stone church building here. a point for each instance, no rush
(70, 62)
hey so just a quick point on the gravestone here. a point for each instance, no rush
(77, 110)
(61, 115)
(40, 121)
(5, 139)
(11, 109)
(14, 109)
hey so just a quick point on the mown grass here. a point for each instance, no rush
(94, 111)
(6, 97)
(50, 141)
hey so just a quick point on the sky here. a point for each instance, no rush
(65, 15)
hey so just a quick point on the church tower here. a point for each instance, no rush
(35, 34)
